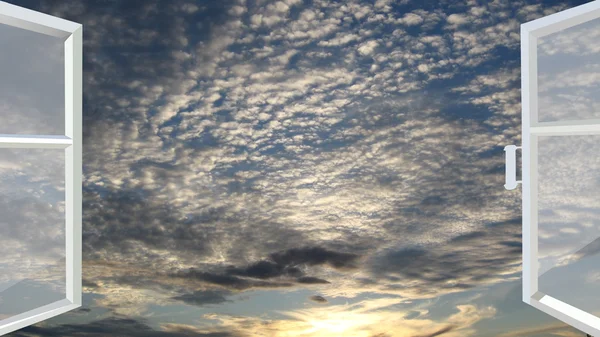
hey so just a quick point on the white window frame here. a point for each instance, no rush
(71, 142)
(532, 129)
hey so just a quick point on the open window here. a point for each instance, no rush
(560, 64)
(40, 166)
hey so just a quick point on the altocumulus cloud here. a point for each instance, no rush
(350, 148)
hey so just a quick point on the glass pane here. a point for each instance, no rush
(569, 219)
(32, 94)
(32, 237)
(569, 74)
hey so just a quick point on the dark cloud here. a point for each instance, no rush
(439, 332)
(313, 256)
(115, 219)
(121, 327)
(439, 267)
(261, 270)
(468, 237)
(288, 263)
(467, 259)
(204, 297)
(89, 284)
(282, 265)
(312, 280)
(228, 281)
(318, 299)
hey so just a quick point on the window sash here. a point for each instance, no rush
(531, 130)
(71, 142)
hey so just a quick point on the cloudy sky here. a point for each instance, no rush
(296, 168)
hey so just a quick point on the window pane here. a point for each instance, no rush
(32, 236)
(569, 74)
(569, 219)
(32, 93)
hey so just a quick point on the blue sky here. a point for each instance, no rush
(301, 168)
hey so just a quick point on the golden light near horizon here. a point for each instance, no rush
(357, 326)
(372, 318)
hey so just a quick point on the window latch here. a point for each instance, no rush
(511, 167)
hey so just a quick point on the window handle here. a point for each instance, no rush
(511, 167)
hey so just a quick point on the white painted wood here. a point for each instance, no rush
(37, 315)
(71, 142)
(529, 112)
(565, 129)
(562, 20)
(35, 141)
(35, 21)
(532, 129)
(73, 167)
(571, 315)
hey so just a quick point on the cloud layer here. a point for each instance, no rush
(351, 150)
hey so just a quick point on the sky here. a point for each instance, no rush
(297, 168)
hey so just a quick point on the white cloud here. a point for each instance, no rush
(368, 47)
(457, 19)
(411, 19)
